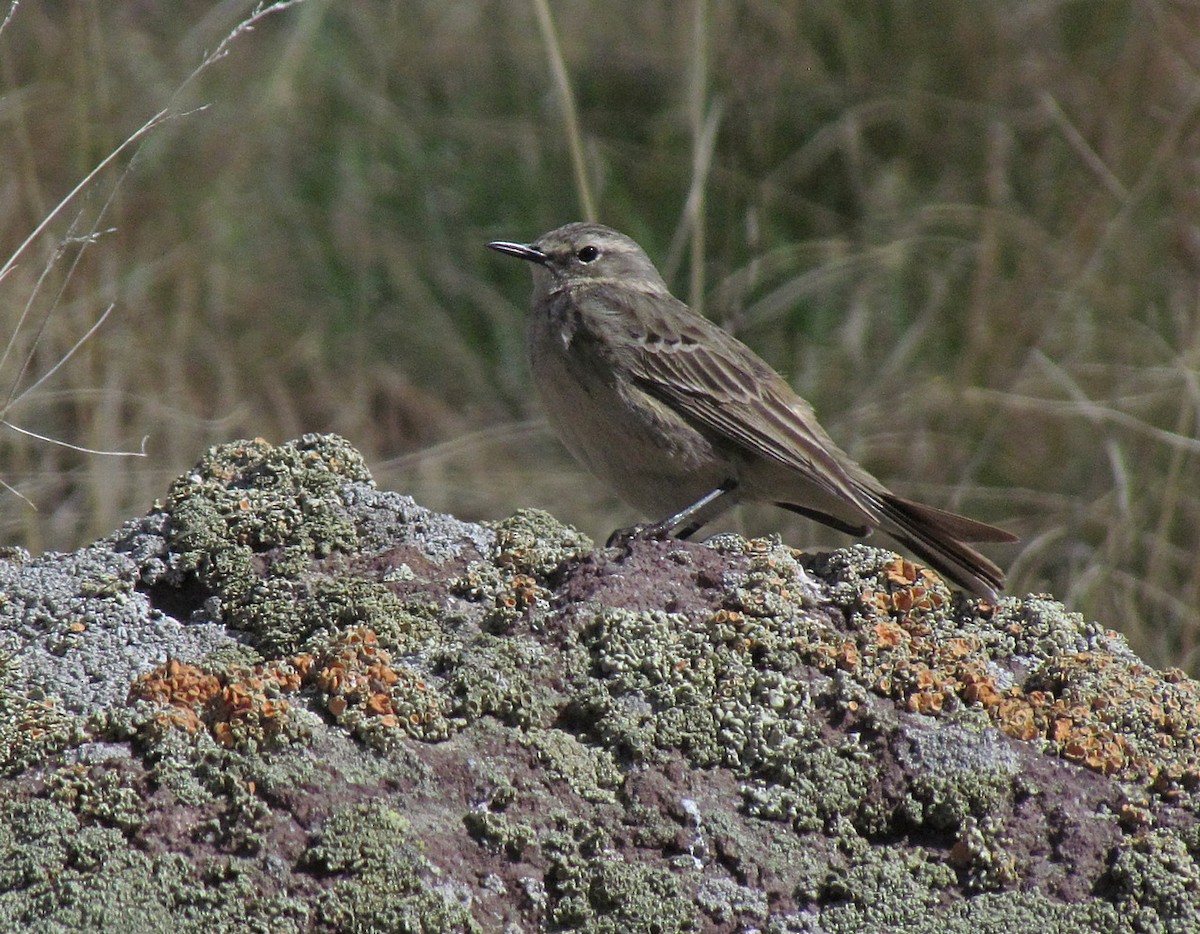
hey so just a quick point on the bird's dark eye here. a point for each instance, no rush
(587, 254)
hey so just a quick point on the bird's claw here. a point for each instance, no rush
(623, 538)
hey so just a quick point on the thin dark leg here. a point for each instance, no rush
(682, 524)
(691, 520)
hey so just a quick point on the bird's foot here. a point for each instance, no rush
(623, 538)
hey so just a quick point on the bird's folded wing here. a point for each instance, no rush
(730, 393)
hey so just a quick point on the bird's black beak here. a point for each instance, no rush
(519, 250)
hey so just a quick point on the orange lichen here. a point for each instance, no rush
(889, 635)
(176, 684)
(1092, 707)
(978, 687)
(926, 702)
(521, 593)
(847, 656)
(226, 704)
(361, 686)
(355, 679)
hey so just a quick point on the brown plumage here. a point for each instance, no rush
(683, 420)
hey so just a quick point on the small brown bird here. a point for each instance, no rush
(683, 420)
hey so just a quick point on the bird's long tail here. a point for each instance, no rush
(938, 538)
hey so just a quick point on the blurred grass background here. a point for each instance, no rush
(968, 232)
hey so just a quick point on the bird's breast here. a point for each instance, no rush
(646, 452)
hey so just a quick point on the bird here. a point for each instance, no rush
(683, 421)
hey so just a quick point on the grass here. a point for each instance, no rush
(968, 232)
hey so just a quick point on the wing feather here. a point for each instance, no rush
(729, 392)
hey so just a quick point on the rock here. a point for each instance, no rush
(285, 700)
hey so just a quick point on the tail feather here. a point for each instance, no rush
(938, 538)
(952, 524)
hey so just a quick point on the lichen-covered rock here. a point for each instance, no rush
(285, 700)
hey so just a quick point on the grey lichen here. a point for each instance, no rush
(957, 772)
(33, 725)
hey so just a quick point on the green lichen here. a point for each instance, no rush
(180, 763)
(865, 886)
(98, 796)
(982, 914)
(383, 882)
(281, 614)
(591, 772)
(32, 725)
(529, 550)
(847, 572)
(726, 693)
(106, 586)
(495, 676)
(196, 771)
(593, 892)
(248, 501)
(889, 885)
(1041, 628)
(500, 834)
(229, 658)
(724, 900)
(1156, 880)
(535, 543)
(59, 872)
(981, 855)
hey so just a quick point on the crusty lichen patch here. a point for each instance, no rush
(1156, 879)
(381, 880)
(248, 500)
(534, 543)
(1084, 696)
(375, 696)
(32, 725)
(241, 707)
(253, 522)
(530, 548)
(727, 692)
(65, 869)
(589, 889)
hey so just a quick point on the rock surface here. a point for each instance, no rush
(287, 701)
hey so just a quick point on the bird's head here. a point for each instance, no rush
(579, 253)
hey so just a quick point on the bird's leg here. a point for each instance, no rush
(691, 520)
(682, 524)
